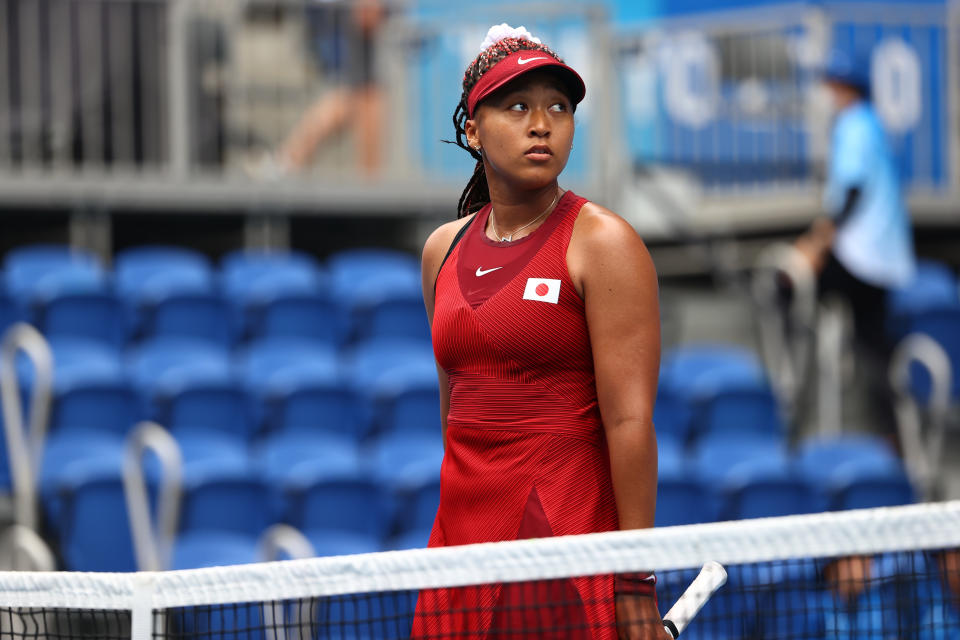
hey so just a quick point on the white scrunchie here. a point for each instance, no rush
(500, 31)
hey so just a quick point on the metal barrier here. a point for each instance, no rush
(25, 445)
(922, 435)
(153, 538)
(786, 335)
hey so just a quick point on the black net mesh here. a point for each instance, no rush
(64, 624)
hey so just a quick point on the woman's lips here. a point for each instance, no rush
(539, 153)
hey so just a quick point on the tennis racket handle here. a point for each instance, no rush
(712, 576)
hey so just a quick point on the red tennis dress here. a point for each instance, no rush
(525, 454)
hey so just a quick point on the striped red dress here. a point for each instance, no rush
(525, 454)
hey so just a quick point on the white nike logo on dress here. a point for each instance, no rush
(520, 59)
(482, 272)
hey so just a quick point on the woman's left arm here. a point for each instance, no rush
(613, 272)
(617, 280)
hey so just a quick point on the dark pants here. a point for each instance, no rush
(872, 347)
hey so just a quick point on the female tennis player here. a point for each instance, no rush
(546, 331)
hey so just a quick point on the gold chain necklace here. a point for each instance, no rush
(509, 237)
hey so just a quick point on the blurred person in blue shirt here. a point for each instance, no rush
(863, 247)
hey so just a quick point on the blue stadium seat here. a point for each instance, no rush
(255, 281)
(311, 416)
(36, 273)
(830, 462)
(360, 278)
(255, 277)
(682, 497)
(739, 410)
(671, 455)
(163, 367)
(147, 275)
(823, 456)
(300, 388)
(92, 315)
(374, 359)
(90, 389)
(391, 310)
(352, 268)
(763, 488)
(723, 386)
(95, 530)
(85, 448)
(686, 368)
(308, 316)
(151, 272)
(717, 456)
(863, 486)
(218, 406)
(417, 498)
(201, 316)
(673, 414)
(408, 399)
(934, 285)
(223, 496)
(323, 504)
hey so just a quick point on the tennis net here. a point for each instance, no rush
(879, 573)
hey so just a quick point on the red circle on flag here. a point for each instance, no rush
(542, 289)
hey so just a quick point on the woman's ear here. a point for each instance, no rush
(472, 133)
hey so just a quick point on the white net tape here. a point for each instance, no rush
(869, 531)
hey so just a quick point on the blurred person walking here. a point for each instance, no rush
(863, 247)
(344, 38)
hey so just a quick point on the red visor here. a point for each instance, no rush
(515, 65)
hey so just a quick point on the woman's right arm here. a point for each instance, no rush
(434, 251)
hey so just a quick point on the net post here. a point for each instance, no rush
(141, 609)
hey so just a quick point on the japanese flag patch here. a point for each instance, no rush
(543, 290)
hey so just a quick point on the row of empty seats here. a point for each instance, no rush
(227, 506)
(729, 478)
(171, 291)
(291, 426)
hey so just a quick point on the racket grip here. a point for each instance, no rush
(671, 628)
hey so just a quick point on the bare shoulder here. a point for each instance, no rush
(437, 244)
(440, 238)
(599, 231)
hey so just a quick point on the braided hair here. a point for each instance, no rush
(476, 194)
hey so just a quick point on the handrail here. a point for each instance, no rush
(28, 551)
(923, 461)
(786, 362)
(25, 450)
(833, 327)
(283, 541)
(152, 540)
